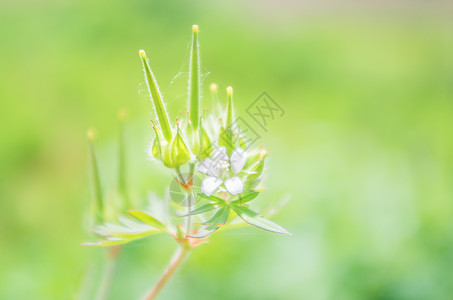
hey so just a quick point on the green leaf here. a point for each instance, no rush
(213, 198)
(254, 218)
(127, 230)
(205, 232)
(246, 198)
(219, 218)
(133, 235)
(109, 242)
(201, 209)
(99, 200)
(148, 219)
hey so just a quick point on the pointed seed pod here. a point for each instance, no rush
(194, 79)
(230, 109)
(156, 98)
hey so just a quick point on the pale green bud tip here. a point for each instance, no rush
(229, 91)
(214, 88)
(91, 134)
(142, 54)
(195, 28)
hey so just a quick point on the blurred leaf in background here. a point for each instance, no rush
(367, 90)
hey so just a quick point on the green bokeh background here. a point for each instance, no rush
(364, 148)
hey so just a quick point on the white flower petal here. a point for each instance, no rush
(209, 185)
(234, 185)
(204, 166)
(208, 166)
(219, 153)
(238, 159)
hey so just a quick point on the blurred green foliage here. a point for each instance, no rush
(364, 148)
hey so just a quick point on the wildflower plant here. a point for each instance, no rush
(209, 147)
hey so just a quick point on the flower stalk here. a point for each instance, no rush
(109, 272)
(175, 263)
(97, 188)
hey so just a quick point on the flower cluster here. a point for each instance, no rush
(208, 146)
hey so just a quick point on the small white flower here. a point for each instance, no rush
(220, 167)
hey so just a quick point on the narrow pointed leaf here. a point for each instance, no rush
(213, 198)
(133, 235)
(253, 218)
(109, 242)
(246, 198)
(148, 219)
(202, 209)
(220, 217)
(205, 231)
(98, 196)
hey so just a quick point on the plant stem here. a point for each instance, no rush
(175, 263)
(189, 193)
(190, 199)
(109, 271)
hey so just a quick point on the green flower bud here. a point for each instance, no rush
(166, 157)
(158, 143)
(205, 143)
(254, 179)
(255, 157)
(180, 154)
(256, 171)
(155, 149)
(242, 143)
(176, 153)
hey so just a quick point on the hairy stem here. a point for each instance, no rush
(109, 271)
(175, 263)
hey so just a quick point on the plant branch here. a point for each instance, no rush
(109, 271)
(175, 263)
